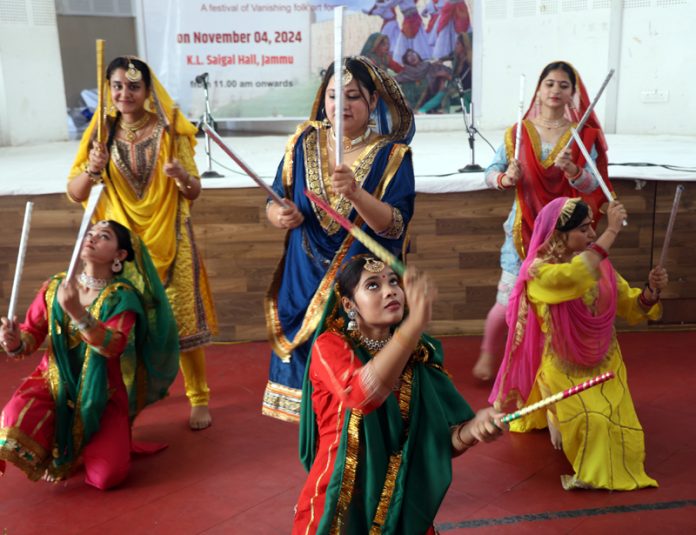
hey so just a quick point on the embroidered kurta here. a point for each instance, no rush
(141, 197)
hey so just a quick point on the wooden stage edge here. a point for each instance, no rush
(454, 236)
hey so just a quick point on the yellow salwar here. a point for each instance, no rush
(139, 195)
(602, 437)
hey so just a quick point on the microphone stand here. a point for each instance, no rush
(209, 121)
(470, 130)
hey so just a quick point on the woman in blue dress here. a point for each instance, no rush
(373, 187)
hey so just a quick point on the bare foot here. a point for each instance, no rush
(484, 369)
(556, 440)
(200, 418)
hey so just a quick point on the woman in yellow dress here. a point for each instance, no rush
(150, 191)
(561, 318)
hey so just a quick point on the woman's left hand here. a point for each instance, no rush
(69, 299)
(176, 171)
(658, 278)
(564, 162)
(485, 426)
(344, 183)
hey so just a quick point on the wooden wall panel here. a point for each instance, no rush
(454, 236)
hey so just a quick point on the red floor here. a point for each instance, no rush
(242, 475)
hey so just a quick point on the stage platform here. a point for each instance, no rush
(437, 156)
(455, 233)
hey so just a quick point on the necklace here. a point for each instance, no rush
(131, 129)
(551, 123)
(352, 144)
(92, 282)
(373, 346)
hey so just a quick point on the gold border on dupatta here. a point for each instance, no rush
(350, 468)
(535, 138)
(395, 459)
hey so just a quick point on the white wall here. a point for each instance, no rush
(648, 42)
(32, 97)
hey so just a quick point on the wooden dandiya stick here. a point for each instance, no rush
(100, 90)
(588, 111)
(557, 397)
(670, 225)
(21, 254)
(172, 134)
(520, 112)
(593, 168)
(212, 134)
(359, 234)
(338, 84)
(92, 201)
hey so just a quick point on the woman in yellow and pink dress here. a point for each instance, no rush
(561, 316)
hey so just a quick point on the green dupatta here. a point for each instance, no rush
(393, 465)
(77, 373)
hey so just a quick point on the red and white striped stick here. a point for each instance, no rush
(359, 234)
(558, 397)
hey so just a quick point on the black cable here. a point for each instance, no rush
(670, 167)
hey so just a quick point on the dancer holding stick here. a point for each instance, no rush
(19, 267)
(77, 407)
(542, 171)
(373, 188)
(380, 461)
(561, 312)
(147, 164)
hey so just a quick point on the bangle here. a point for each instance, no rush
(86, 322)
(466, 445)
(644, 301)
(499, 182)
(576, 175)
(601, 251)
(16, 352)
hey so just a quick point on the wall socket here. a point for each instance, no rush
(656, 95)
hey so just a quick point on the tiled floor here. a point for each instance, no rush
(243, 476)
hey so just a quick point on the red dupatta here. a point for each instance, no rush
(542, 180)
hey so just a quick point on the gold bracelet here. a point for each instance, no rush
(466, 445)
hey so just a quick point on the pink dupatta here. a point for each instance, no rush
(580, 336)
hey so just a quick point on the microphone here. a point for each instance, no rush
(202, 78)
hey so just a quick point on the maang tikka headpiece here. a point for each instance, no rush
(133, 74)
(373, 266)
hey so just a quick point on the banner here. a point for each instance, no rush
(264, 58)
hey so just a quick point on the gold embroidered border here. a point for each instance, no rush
(349, 470)
(317, 174)
(536, 143)
(24, 452)
(395, 459)
(139, 187)
(279, 342)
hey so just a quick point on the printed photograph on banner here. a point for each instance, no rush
(264, 58)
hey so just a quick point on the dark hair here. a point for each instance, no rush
(559, 66)
(581, 211)
(360, 73)
(123, 239)
(122, 63)
(403, 58)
